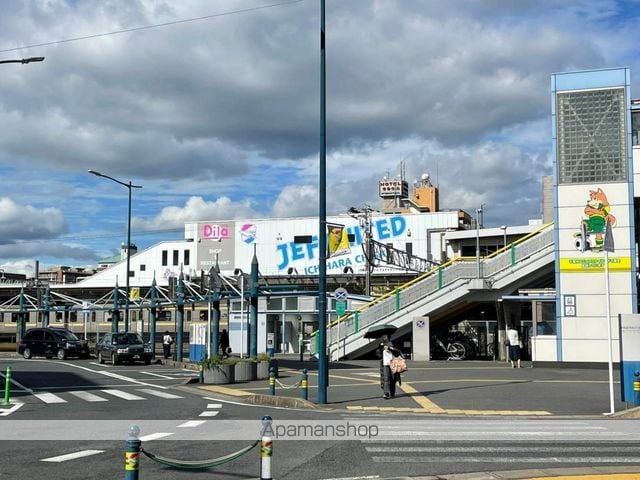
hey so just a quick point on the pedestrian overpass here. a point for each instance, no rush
(443, 291)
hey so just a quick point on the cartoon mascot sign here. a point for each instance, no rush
(594, 227)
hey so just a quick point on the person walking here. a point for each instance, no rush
(388, 379)
(167, 340)
(224, 343)
(514, 346)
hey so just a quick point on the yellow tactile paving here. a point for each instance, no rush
(420, 399)
(611, 476)
(235, 392)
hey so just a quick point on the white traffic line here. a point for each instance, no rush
(101, 364)
(369, 477)
(192, 423)
(154, 436)
(124, 395)
(8, 411)
(72, 456)
(88, 396)
(214, 405)
(157, 375)
(158, 394)
(47, 397)
(249, 405)
(113, 375)
(209, 413)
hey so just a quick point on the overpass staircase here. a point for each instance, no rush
(442, 289)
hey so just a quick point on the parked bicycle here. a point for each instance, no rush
(456, 346)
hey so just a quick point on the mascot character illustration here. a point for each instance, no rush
(595, 223)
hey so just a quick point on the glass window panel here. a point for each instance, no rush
(291, 303)
(274, 304)
(591, 138)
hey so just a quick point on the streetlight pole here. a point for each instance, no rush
(323, 364)
(478, 212)
(129, 186)
(504, 233)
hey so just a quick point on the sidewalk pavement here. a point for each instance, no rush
(472, 388)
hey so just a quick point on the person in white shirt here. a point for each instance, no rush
(388, 379)
(166, 344)
(514, 346)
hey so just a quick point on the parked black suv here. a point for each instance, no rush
(123, 347)
(52, 342)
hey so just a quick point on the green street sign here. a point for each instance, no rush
(340, 307)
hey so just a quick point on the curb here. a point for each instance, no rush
(275, 401)
(629, 413)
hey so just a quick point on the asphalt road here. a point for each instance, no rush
(74, 417)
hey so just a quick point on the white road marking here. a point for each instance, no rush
(88, 397)
(209, 413)
(157, 375)
(192, 423)
(154, 436)
(498, 459)
(214, 405)
(47, 397)
(158, 394)
(101, 364)
(113, 375)
(124, 395)
(369, 477)
(72, 456)
(8, 411)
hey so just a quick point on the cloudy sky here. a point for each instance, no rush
(215, 109)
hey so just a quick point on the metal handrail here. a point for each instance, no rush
(459, 268)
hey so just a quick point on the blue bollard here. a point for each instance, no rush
(132, 453)
(304, 385)
(636, 388)
(272, 381)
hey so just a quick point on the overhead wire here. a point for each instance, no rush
(148, 27)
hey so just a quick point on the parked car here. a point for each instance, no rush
(52, 342)
(123, 347)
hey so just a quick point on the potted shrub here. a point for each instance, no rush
(262, 366)
(217, 371)
(245, 370)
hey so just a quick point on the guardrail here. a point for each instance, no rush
(460, 270)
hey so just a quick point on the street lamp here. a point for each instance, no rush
(478, 213)
(129, 186)
(24, 60)
(504, 233)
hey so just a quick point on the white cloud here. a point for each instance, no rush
(25, 222)
(196, 209)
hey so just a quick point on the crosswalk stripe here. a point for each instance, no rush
(47, 397)
(214, 405)
(154, 436)
(157, 375)
(470, 449)
(124, 395)
(72, 456)
(555, 459)
(156, 393)
(192, 423)
(88, 397)
(210, 413)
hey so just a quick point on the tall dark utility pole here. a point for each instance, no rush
(323, 370)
